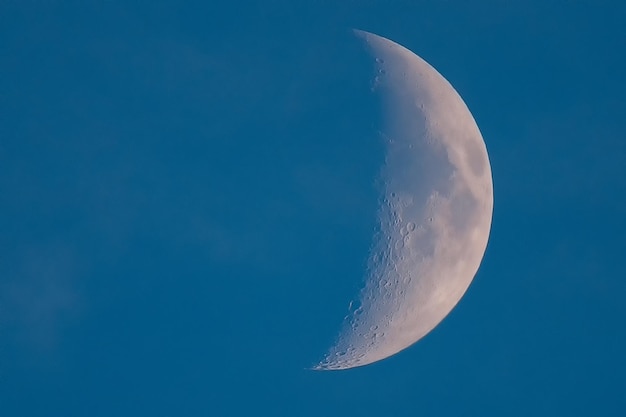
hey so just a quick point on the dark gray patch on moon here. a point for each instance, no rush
(475, 157)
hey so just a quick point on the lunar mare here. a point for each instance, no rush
(434, 214)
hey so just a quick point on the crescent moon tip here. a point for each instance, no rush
(361, 33)
(312, 368)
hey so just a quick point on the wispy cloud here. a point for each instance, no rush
(38, 295)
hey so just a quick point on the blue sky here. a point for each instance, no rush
(186, 208)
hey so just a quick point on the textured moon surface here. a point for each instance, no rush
(436, 203)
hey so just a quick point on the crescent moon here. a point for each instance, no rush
(436, 204)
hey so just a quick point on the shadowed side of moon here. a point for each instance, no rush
(436, 203)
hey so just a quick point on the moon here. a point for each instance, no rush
(434, 216)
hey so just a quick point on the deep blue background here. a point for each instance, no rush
(186, 208)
